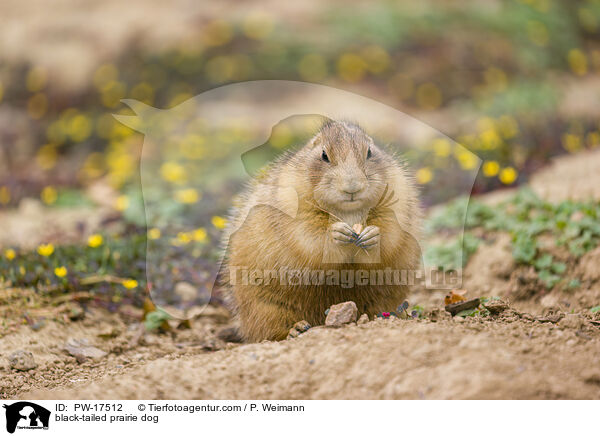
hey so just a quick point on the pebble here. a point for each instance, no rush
(571, 321)
(299, 328)
(439, 315)
(340, 314)
(82, 350)
(302, 326)
(186, 291)
(495, 306)
(364, 318)
(22, 360)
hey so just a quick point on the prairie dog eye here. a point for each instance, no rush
(369, 153)
(324, 156)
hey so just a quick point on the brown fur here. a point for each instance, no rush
(284, 218)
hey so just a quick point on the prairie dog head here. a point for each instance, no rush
(347, 169)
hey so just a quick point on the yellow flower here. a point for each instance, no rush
(593, 139)
(95, 240)
(199, 235)
(571, 142)
(538, 33)
(122, 203)
(442, 147)
(4, 195)
(183, 238)
(36, 79)
(376, 58)
(130, 283)
(351, 67)
(187, 196)
(508, 175)
(219, 222)
(577, 61)
(466, 159)
(49, 195)
(490, 168)
(45, 250)
(47, 156)
(37, 105)
(154, 233)
(173, 172)
(79, 128)
(490, 139)
(508, 126)
(10, 254)
(424, 175)
(60, 271)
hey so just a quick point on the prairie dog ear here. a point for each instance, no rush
(316, 141)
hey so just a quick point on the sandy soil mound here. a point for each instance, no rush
(574, 177)
(510, 357)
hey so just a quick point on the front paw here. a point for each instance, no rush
(369, 238)
(342, 233)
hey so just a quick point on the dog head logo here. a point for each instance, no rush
(26, 415)
(196, 156)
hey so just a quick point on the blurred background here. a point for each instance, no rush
(513, 81)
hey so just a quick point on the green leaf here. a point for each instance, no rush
(468, 312)
(419, 309)
(549, 279)
(544, 262)
(525, 248)
(595, 309)
(155, 319)
(559, 267)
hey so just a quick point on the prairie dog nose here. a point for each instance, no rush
(352, 186)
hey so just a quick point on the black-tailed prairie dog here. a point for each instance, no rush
(337, 206)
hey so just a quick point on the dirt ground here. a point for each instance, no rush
(384, 359)
(543, 347)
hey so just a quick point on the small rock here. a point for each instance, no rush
(302, 326)
(75, 313)
(495, 306)
(38, 325)
(82, 350)
(527, 316)
(437, 314)
(109, 332)
(299, 328)
(340, 314)
(458, 319)
(22, 360)
(571, 321)
(364, 318)
(186, 291)
(552, 317)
